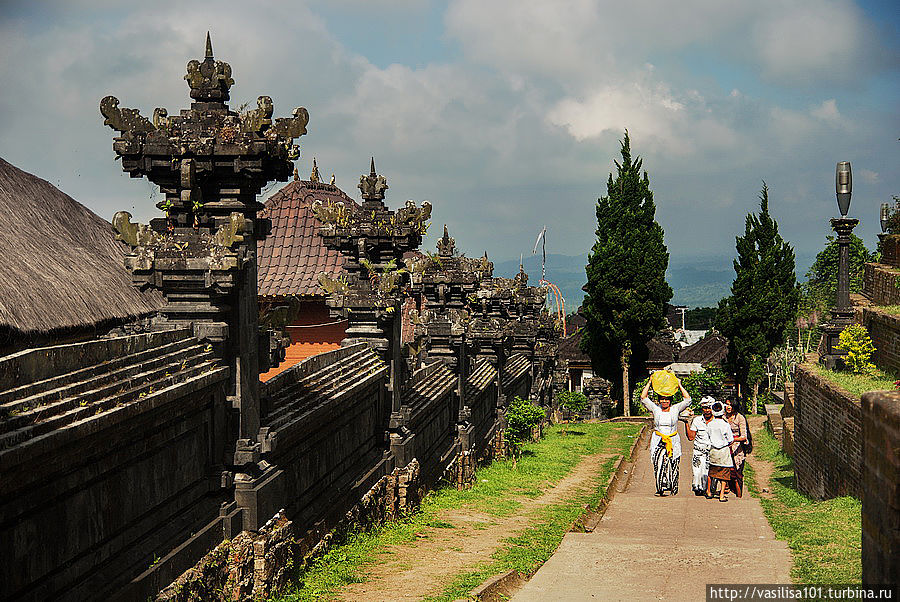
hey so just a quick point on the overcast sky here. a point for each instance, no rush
(505, 114)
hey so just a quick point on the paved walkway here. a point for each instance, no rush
(648, 547)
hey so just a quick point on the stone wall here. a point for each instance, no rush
(880, 284)
(827, 438)
(881, 488)
(254, 566)
(884, 328)
(433, 412)
(111, 458)
(323, 440)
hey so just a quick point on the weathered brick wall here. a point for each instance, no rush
(880, 284)
(324, 439)
(881, 487)
(884, 328)
(827, 438)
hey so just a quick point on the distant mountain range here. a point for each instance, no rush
(696, 282)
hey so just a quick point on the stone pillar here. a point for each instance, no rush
(842, 314)
(374, 239)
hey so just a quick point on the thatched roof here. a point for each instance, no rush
(62, 269)
(570, 349)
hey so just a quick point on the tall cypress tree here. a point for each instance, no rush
(626, 273)
(764, 296)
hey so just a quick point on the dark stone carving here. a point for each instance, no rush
(210, 163)
(374, 239)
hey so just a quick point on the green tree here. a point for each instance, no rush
(764, 296)
(574, 402)
(521, 417)
(820, 289)
(626, 273)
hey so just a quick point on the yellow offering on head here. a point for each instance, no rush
(664, 382)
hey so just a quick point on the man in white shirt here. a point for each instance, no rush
(696, 432)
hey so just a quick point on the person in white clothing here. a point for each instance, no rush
(665, 445)
(696, 432)
(720, 439)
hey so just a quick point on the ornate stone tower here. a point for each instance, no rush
(210, 163)
(448, 282)
(373, 239)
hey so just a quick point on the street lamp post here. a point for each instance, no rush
(842, 314)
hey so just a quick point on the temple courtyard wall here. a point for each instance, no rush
(115, 459)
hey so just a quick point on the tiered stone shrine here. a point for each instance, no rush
(374, 239)
(448, 281)
(210, 163)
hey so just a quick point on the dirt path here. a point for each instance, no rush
(762, 468)
(413, 571)
(652, 548)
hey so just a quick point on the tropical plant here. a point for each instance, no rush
(783, 362)
(855, 340)
(626, 288)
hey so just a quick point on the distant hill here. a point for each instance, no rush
(696, 281)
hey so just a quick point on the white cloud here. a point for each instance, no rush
(827, 111)
(868, 176)
(805, 43)
(520, 130)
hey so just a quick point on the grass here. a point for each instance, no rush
(496, 486)
(857, 384)
(894, 310)
(824, 537)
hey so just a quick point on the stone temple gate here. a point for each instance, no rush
(144, 464)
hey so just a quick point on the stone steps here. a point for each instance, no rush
(428, 388)
(67, 379)
(481, 377)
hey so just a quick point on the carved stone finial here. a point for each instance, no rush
(124, 120)
(332, 180)
(314, 175)
(210, 80)
(446, 245)
(132, 234)
(372, 186)
(296, 175)
(231, 232)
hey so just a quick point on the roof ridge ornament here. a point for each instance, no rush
(446, 245)
(209, 80)
(372, 186)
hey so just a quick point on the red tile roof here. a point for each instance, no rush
(292, 256)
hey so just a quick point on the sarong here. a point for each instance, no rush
(700, 468)
(720, 464)
(665, 469)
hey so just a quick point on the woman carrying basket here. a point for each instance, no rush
(665, 444)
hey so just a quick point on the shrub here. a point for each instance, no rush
(572, 401)
(521, 418)
(856, 342)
